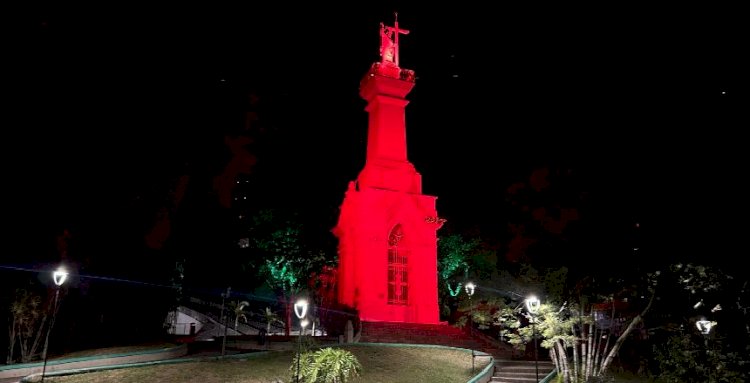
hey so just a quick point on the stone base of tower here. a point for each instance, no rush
(416, 313)
(388, 255)
(436, 334)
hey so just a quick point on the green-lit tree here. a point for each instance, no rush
(288, 258)
(462, 257)
(453, 267)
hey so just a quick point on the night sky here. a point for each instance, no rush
(646, 105)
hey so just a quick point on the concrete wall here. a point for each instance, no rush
(186, 324)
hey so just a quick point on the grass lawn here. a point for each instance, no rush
(379, 364)
(115, 350)
(626, 377)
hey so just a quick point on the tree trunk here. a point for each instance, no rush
(616, 347)
(24, 348)
(587, 360)
(38, 337)
(576, 344)
(605, 350)
(11, 341)
(590, 358)
(563, 361)
(288, 314)
(597, 352)
(553, 357)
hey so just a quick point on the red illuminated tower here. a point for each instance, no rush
(387, 227)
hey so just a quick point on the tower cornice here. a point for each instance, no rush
(384, 79)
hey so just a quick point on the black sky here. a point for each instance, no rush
(648, 104)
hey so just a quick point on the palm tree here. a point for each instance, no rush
(238, 307)
(271, 317)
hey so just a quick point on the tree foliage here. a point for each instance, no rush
(460, 259)
(28, 320)
(287, 254)
(601, 316)
(453, 254)
(681, 353)
(287, 258)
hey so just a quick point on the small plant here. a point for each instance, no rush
(328, 365)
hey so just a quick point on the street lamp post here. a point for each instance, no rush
(532, 305)
(705, 327)
(300, 310)
(58, 276)
(224, 319)
(470, 292)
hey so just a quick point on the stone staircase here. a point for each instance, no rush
(438, 334)
(520, 371)
(510, 366)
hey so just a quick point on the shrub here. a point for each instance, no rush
(328, 365)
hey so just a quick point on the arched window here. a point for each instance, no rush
(398, 287)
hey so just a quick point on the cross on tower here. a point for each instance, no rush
(389, 41)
